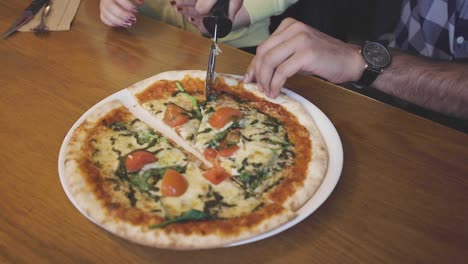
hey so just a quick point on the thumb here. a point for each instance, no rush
(249, 75)
(204, 7)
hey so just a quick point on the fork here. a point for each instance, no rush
(42, 27)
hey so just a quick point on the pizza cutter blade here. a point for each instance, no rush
(218, 25)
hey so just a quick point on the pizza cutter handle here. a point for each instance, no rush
(220, 9)
(219, 15)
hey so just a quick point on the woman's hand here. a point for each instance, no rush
(119, 13)
(195, 10)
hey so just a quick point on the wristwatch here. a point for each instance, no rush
(377, 58)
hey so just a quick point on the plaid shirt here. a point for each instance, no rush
(433, 28)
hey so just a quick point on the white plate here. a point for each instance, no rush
(329, 134)
(335, 165)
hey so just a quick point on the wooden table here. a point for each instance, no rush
(402, 196)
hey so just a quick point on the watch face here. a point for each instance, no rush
(376, 55)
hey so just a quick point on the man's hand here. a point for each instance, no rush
(119, 13)
(297, 48)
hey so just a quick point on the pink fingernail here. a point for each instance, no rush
(127, 24)
(131, 19)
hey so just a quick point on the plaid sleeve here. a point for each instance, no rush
(433, 28)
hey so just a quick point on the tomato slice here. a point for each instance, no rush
(224, 115)
(173, 183)
(228, 151)
(210, 154)
(216, 175)
(228, 146)
(137, 159)
(175, 116)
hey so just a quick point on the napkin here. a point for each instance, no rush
(60, 17)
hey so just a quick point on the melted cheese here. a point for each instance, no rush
(263, 140)
(158, 107)
(224, 200)
(201, 192)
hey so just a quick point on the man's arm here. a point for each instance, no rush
(297, 48)
(436, 85)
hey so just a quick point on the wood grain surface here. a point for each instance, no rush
(402, 196)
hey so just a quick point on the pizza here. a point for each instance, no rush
(173, 170)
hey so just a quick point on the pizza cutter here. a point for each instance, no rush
(218, 25)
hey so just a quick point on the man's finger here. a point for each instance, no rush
(284, 71)
(269, 61)
(284, 25)
(290, 30)
(250, 73)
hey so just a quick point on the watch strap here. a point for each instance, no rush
(368, 77)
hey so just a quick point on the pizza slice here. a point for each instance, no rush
(176, 101)
(271, 148)
(251, 139)
(136, 183)
(250, 145)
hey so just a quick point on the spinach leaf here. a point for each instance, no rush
(140, 180)
(121, 169)
(195, 106)
(144, 137)
(221, 135)
(251, 181)
(118, 126)
(192, 215)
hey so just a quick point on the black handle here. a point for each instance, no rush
(219, 15)
(220, 9)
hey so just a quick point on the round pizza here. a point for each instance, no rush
(173, 170)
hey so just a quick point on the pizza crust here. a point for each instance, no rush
(170, 76)
(199, 237)
(318, 165)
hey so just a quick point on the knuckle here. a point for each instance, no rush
(303, 38)
(267, 59)
(261, 49)
(288, 20)
(280, 72)
(299, 26)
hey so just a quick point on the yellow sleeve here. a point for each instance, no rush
(261, 9)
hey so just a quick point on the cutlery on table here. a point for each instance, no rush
(42, 27)
(27, 15)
